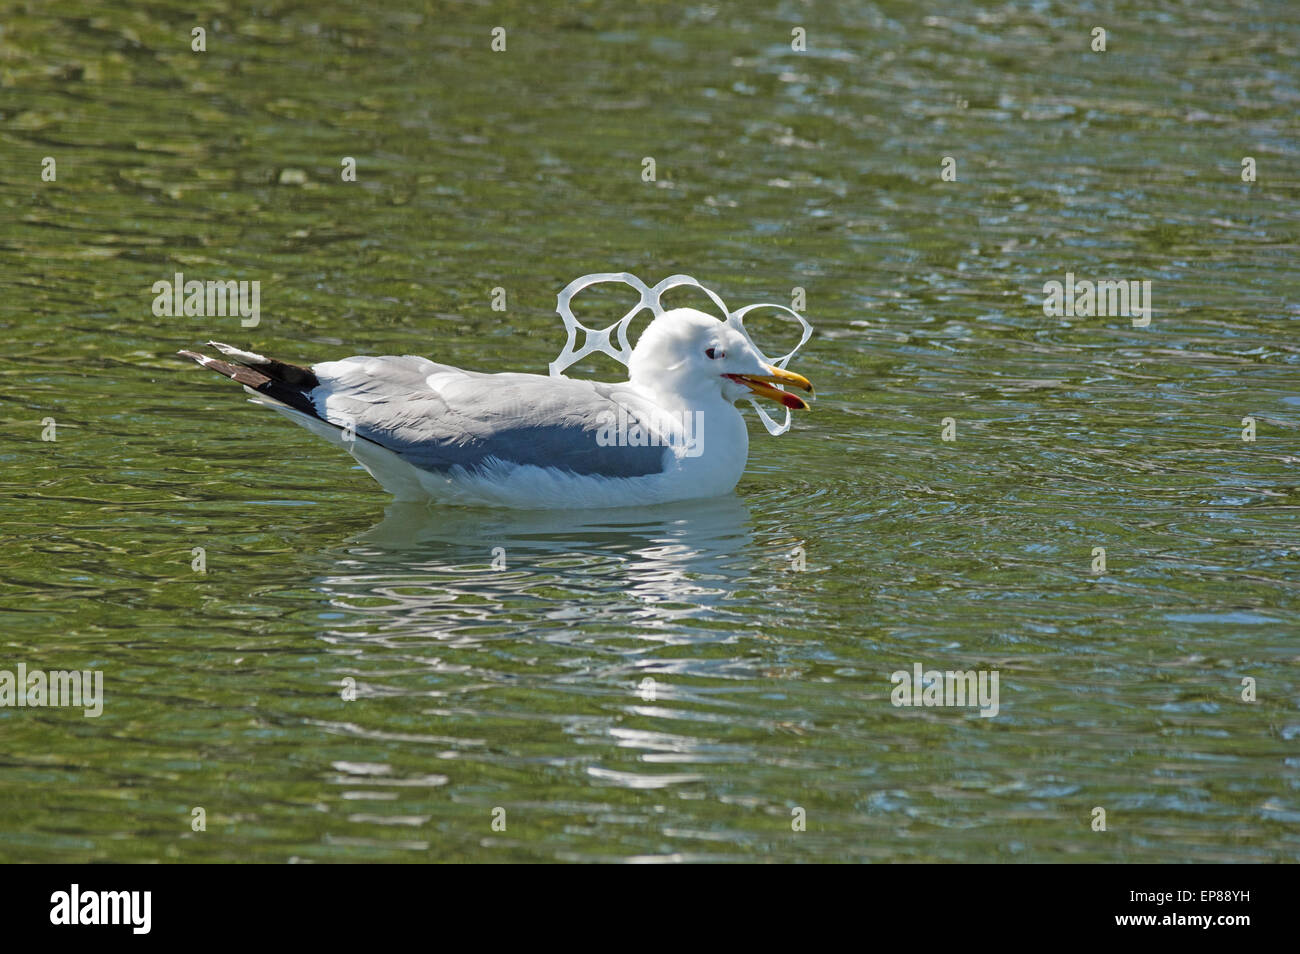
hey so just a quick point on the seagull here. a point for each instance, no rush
(432, 432)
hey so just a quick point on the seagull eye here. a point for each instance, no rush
(714, 353)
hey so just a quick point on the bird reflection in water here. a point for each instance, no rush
(462, 574)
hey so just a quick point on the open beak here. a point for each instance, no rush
(761, 384)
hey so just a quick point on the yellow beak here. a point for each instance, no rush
(758, 383)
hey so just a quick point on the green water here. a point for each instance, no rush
(518, 689)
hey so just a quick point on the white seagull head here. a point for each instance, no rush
(687, 353)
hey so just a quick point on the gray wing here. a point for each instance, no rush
(438, 417)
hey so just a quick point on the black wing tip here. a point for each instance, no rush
(285, 383)
(194, 356)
